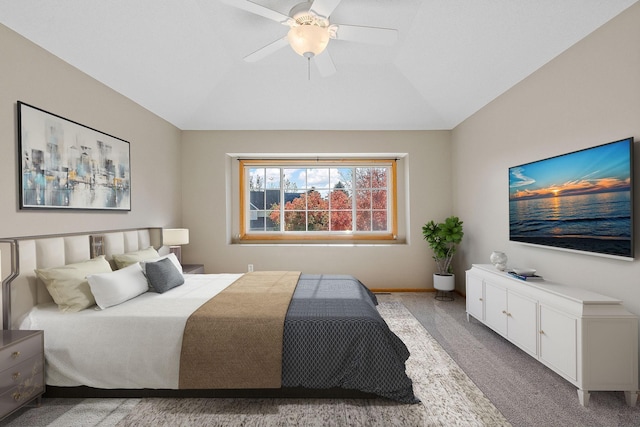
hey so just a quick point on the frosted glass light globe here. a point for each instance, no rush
(308, 40)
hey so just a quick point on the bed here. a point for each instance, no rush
(331, 341)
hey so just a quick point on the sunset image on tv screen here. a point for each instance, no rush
(578, 201)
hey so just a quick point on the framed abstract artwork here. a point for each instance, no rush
(66, 165)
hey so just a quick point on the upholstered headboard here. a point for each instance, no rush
(22, 290)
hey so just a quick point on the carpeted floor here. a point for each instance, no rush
(526, 392)
(448, 397)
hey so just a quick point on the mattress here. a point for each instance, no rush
(135, 344)
(333, 337)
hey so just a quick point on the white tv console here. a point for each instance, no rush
(587, 338)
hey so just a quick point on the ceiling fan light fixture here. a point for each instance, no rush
(308, 40)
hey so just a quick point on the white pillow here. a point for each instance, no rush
(114, 288)
(171, 256)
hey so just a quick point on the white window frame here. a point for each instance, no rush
(392, 212)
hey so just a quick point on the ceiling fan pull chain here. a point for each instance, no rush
(309, 68)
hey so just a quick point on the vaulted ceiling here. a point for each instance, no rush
(183, 59)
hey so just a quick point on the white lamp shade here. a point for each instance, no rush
(175, 236)
(308, 40)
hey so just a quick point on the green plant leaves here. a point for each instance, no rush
(442, 239)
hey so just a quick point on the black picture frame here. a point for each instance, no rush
(67, 165)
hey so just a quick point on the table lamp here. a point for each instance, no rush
(174, 238)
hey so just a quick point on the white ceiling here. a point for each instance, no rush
(183, 59)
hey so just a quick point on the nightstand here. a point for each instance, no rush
(193, 268)
(21, 369)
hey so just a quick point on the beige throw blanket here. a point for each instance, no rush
(235, 339)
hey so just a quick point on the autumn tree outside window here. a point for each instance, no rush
(320, 199)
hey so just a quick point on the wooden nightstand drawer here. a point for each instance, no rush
(21, 369)
(25, 375)
(17, 397)
(18, 351)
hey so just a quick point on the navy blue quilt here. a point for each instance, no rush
(335, 337)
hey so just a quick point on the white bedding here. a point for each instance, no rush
(134, 345)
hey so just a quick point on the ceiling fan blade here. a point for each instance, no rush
(267, 50)
(325, 64)
(324, 7)
(257, 9)
(373, 35)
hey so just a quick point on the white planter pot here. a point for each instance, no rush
(444, 282)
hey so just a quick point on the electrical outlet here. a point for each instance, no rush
(250, 268)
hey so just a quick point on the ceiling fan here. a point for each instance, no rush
(310, 31)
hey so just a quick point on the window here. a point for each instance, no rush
(320, 199)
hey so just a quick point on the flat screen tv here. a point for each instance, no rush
(579, 201)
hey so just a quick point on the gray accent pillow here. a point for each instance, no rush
(163, 275)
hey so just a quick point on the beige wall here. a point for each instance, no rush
(205, 199)
(32, 75)
(587, 96)
(210, 196)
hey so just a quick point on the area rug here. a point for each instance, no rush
(448, 398)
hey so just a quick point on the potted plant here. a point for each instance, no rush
(443, 239)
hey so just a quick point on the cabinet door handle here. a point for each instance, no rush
(15, 354)
(541, 332)
(504, 312)
(480, 299)
(509, 314)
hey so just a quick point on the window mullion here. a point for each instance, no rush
(306, 200)
(282, 201)
(264, 199)
(329, 194)
(354, 217)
